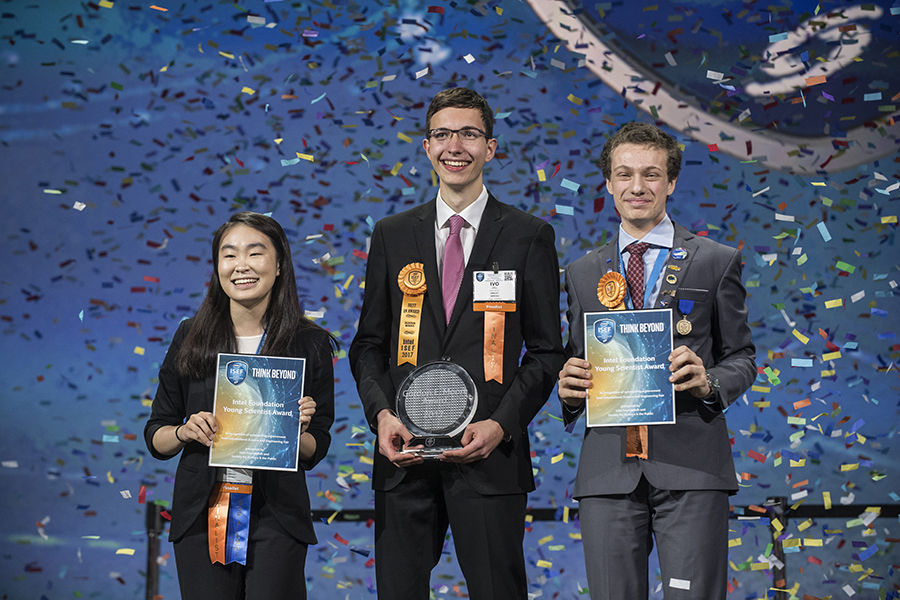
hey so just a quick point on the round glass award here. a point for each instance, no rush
(435, 403)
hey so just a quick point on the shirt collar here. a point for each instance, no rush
(662, 236)
(472, 213)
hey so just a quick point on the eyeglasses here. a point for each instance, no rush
(467, 135)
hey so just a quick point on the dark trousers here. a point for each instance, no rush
(275, 563)
(411, 522)
(691, 531)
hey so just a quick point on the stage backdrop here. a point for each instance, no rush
(131, 130)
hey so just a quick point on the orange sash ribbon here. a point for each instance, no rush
(611, 293)
(218, 517)
(494, 335)
(412, 283)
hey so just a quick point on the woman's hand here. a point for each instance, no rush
(200, 427)
(307, 408)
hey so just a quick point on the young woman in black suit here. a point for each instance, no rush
(251, 307)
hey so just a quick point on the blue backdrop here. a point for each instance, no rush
(130, 131)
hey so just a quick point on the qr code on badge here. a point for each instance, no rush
(509, 276)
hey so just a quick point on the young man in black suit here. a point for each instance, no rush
(670, 481)
(455, 242)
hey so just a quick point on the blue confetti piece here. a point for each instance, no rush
(289, 162)
(823, 230)
(877, 312)
(114, 439)
(801, 362)
(564, 210)
(777, 37)
(868, 552)
(570, 185)
(871, 97)
(503, 115)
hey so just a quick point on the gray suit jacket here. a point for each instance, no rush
(695, 452)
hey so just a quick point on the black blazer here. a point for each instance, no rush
(513, 240)
(695, 452)
(178, 397)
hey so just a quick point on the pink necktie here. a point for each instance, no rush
(635, 273)
(454, 265)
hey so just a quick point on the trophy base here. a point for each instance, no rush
(433, 447)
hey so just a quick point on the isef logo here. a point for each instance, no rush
(604, 330)
(236, 371)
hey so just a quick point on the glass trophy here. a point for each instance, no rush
(435, 403)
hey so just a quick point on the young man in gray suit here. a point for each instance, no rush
(669, 482)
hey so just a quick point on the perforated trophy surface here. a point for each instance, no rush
(435, 403)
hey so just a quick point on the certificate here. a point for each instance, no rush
(628, 351)
(257, 413)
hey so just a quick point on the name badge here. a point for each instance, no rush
(494, 291)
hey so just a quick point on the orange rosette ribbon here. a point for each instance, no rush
(412, 283)
(611, 291)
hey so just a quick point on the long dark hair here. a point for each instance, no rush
(213, 331)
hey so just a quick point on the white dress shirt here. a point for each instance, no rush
(472, 214)
(661, 238)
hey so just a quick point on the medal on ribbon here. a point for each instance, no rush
(611, 291)
(412, 283)
(683, 327)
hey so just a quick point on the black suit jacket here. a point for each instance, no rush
(178, 397)
(695, 452)
(513, 240)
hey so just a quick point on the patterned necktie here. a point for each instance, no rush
(635, 274)
(636, 437)
(454, 265)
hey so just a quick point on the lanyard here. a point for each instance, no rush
(661, 259)
(262, 340)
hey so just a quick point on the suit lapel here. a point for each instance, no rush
(488, 230)
(423, 230)
(607, 259)
(668, 292)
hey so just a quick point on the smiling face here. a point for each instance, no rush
(247, 267)
(459, 165)
(640, 185)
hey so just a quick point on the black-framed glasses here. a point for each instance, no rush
(467, 135)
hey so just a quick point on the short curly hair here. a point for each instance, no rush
(461, 98)
(642, 134)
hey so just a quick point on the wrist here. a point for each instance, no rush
(383, 414)
(178, 437)
(713, 382)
